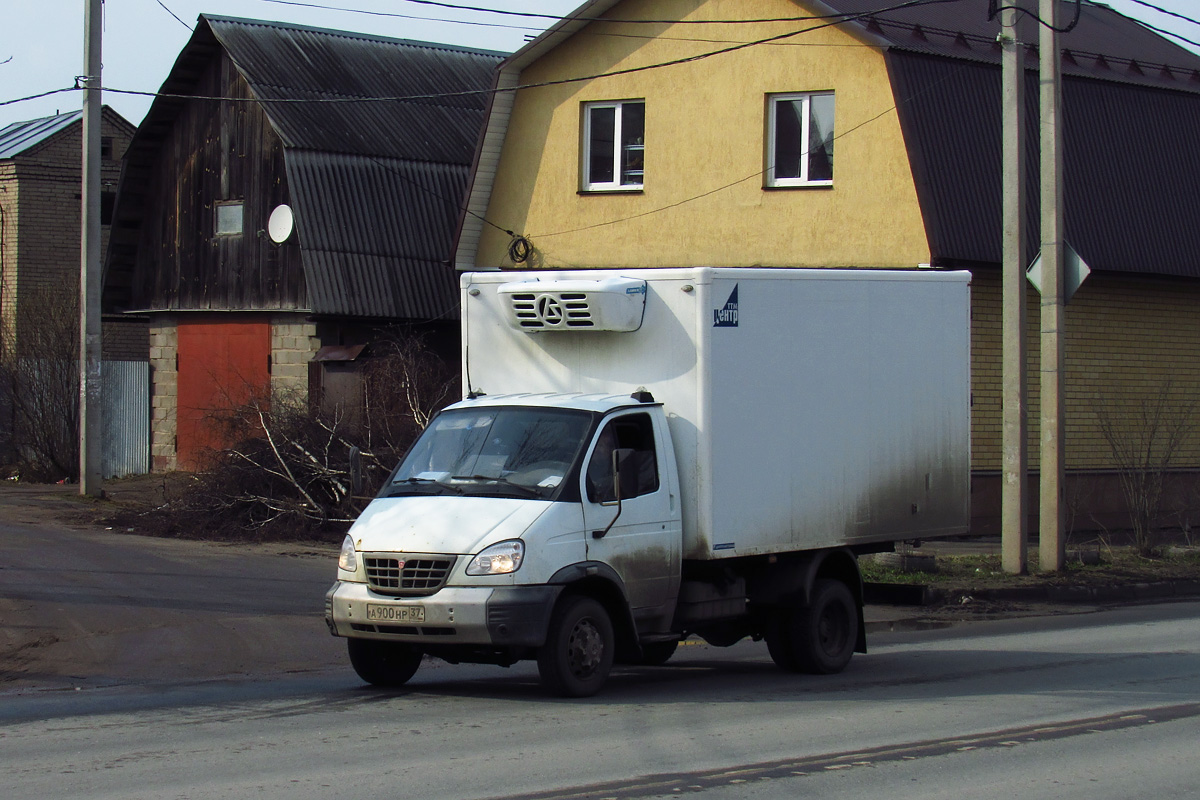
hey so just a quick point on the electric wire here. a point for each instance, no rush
(1162, 10)
(993, 10)
(173, 14)
(520, 242)
(556, 18)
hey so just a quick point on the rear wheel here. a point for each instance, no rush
(578, 653)
(383, 663)
(817, 638)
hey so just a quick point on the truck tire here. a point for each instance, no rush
(383, 663)
(578, 653)
(818, 638)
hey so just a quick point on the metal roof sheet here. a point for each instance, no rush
(1104, 44)
(378, 136)
(1131, 165)
(19, 137)
(362, 94)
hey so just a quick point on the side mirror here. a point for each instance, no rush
(625, 474)
(625, 483)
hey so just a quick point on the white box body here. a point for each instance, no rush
(809, 408)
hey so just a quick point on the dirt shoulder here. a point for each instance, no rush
(85, 604)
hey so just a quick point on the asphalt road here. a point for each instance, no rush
(1085, 706)
(150, 668)
(84, 608)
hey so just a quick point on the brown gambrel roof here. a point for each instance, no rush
(1131, 113)
(376, 166)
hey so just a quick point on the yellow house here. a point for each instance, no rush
(671, 133)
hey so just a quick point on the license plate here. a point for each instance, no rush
(395, 613)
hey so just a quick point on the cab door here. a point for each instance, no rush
(643, 544)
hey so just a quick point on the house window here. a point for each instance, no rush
(614, 145)
(229, 219)
(800, 139)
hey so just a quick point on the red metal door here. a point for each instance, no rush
(223, 366)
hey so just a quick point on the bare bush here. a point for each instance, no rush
(296, 469)
(39, 369)
(1144, 435)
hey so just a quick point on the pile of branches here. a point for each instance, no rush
(299, 469)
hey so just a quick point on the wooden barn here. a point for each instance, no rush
(290, 191)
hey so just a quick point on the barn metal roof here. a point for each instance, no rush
(378, 135)
(19, 137)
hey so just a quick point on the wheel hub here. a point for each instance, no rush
(585, 649)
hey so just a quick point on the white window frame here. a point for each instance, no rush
(773, 101)
(615, 185)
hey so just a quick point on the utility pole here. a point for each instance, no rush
(1051, 545)
(89, 274)
(1014, 533)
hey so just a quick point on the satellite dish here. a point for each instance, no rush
(281, 223)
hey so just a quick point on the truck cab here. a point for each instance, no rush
(502, 505)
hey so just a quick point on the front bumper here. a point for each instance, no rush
(503, 616)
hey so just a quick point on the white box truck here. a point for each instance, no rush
(647, 455)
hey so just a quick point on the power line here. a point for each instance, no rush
(828, 23)
(173, 14)
(1159, 30)
(1162, 10)
(40, 96)
(555, 17)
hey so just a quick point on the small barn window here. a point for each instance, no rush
(229, 219)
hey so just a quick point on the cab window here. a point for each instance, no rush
(634, 432)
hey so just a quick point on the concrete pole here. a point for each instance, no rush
(1051, 544)
(1014, 501)
(89, 277)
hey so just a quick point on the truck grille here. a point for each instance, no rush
(412, 575)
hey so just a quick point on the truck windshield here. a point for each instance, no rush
(504, 452)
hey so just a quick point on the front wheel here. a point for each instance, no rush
(578, 653)
(817, 638)
(383, 663)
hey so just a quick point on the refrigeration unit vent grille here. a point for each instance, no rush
(612, 304)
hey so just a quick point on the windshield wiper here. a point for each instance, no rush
(505, 482)
(398, 487)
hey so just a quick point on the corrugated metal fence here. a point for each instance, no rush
(126, 413)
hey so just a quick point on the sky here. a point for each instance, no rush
(41, 41)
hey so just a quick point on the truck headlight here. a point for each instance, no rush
(499, 559)
(348, 558)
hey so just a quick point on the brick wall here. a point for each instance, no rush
(9, 201)
(164, 392)
(125, 339)
(41, 252)
(294, 342)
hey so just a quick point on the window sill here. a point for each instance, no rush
(793, 187)
(629, 190)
